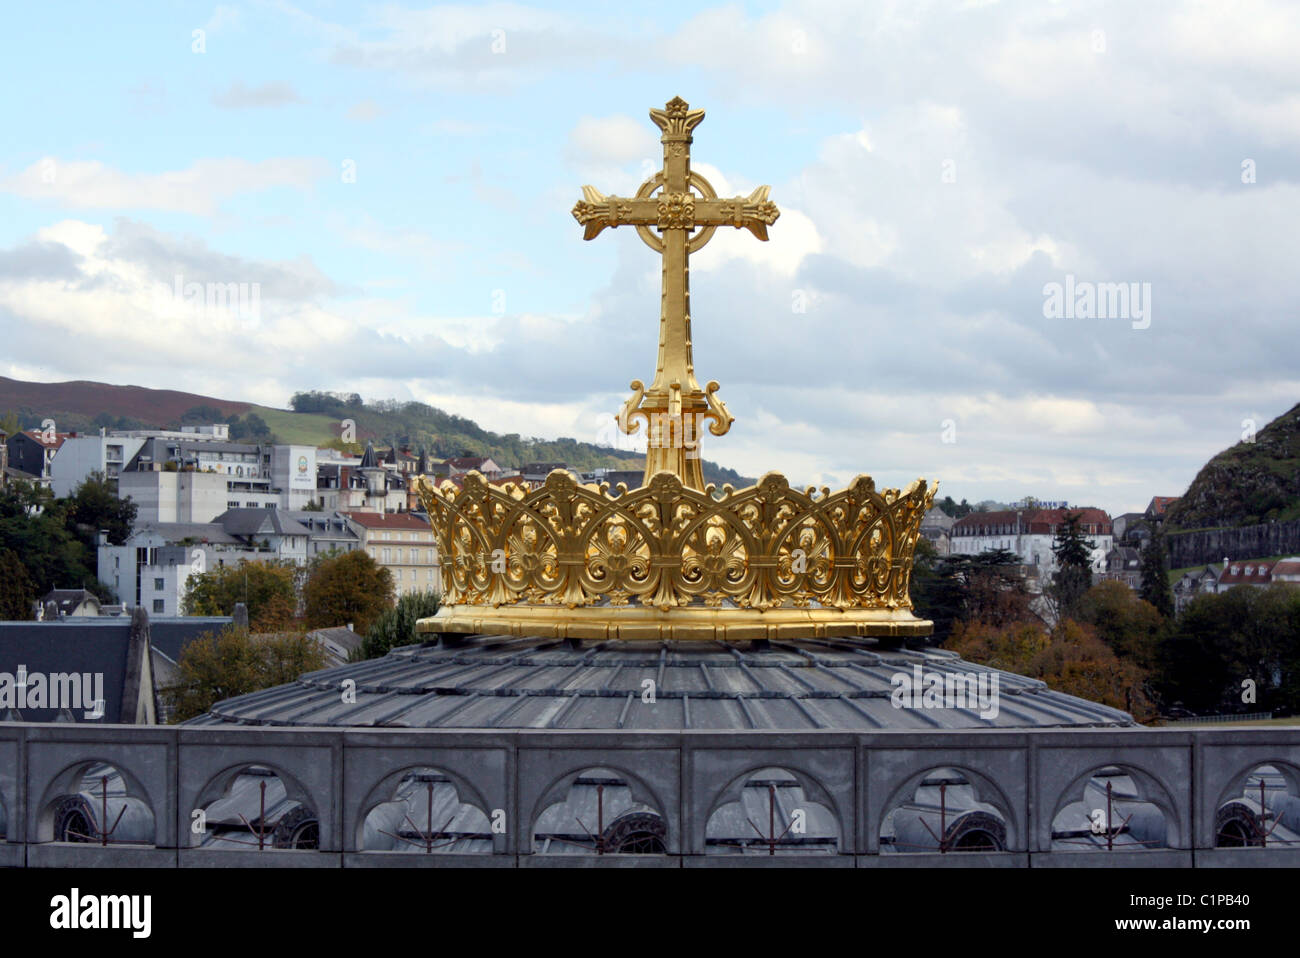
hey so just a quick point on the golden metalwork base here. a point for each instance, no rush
(699, 624)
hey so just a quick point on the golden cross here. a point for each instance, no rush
(675, 407)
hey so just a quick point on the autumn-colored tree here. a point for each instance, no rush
(279, 613)
(1013, 647)
(349, 587)
(1071, 659)
(221, 665)
(264, 587)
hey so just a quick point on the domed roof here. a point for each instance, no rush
(534, 683)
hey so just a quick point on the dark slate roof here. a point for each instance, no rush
(256, 522)
(80, 645)
(68, 599)
(369, 460)
(170, 635)
(498, 682)
(199, 532)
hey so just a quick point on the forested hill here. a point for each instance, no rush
(314, 418)
(1250, 483)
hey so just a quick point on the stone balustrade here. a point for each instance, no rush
(1023, 778)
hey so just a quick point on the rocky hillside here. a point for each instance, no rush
(1252, 482)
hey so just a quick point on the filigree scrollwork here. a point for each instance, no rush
(666, 545)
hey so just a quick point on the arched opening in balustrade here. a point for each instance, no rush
(945, 810)
(1263, 810)
(255, 808)
(424, 813)
(1114, 808)
(96, 803)
(603, 812)
(773, 811)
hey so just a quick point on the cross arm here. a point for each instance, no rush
(754, 212)
(595, 211)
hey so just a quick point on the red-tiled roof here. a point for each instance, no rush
(1034, 521)
(1286, 567)
(57, 441)
(1160, 503)
(1235, 573)
(388, 520)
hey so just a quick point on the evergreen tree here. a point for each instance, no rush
(396, 627)
(1155, 581)
(1073, 566)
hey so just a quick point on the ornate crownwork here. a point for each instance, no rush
(668, 561)
(675, 559)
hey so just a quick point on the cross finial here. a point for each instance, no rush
(675, 213)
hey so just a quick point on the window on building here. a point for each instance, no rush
(158, 585)
(397, 575)
(388, 556)
(158, 605)
(233, 504)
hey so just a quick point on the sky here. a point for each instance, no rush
(393, 184)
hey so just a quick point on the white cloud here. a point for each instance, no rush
(198, 189)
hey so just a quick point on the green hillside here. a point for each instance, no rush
(315, 419)
(1252, 482)
(318, 418)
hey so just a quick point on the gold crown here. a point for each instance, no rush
(665, 561)
(675, 559)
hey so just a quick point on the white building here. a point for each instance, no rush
(293, 474)
(1030, 534)
(151, 568)
(80, 456)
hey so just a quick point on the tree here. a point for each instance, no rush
(396, 626)
(220, 665)
(344, 588)
(94, 505)
(1238, 651)
(35, 527)
(17, 592)
(1070, 659)
(265, 588)
(202, 416)
(1073, 566)
(968, 588)
(995, 591)
(1129, 625)
(1155, 580)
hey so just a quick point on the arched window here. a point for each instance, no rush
(772, 816)
(944, 813)
(93, 805)
(426, 815)
(600, 816)
(1116, 813)
(1266, 813)
(255, 812)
